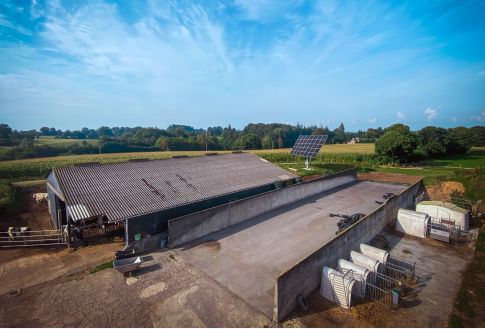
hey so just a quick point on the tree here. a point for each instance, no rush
(5, 131)
(397, 143)
(338, 136)
(44, 131)
(460, 140)
(478, 133)
(341, 127)
(434, 140)
(163, 144)
(267, 142)
(319, 131)
(104, 131)
(398, 127)
(250, 142)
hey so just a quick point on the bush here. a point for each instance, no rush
(6, 194)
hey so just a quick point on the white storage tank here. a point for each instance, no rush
(412, 222)
(379, 254)
(445, 210)
(361, 278)
(367, 262)
(337, 288)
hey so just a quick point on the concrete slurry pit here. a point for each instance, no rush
(248, 257)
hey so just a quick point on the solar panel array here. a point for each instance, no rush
(308, 146)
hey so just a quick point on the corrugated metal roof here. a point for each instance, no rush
(124, 190)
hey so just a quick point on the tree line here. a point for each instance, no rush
(429, 141)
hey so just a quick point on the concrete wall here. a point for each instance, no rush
(304, 277)
(157, 222)
(193, 226)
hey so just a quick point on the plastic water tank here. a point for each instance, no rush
(376, 253)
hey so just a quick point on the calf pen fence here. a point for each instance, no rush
(33, 238)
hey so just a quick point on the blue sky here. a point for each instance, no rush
(71, 64)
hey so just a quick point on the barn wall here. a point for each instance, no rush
(54, 205)
(157, 222)
(51, 197)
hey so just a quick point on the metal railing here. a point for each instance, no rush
(33, 238)
(400, 270)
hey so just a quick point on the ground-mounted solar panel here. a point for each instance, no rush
(308, 146)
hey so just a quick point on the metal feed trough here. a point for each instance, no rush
(127, 265)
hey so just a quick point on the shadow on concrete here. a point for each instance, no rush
(148, 269)
(263, 217)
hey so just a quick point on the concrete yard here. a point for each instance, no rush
(246, 258)
(440, 267)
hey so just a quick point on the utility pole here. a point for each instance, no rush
(206, 139)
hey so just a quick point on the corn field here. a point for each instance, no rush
(38, 168)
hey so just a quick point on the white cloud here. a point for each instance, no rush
(373, 120)
(454, 119)
(479, 118)
(430, 113)
(400, 115)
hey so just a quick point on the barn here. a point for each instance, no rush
(142, 195)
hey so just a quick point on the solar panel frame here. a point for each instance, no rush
(308, 146)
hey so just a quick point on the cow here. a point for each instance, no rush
(39, 197)
(17, 232)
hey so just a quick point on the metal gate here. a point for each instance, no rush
(381, 287)
(398, 269)
(447, 231)
(33, 238)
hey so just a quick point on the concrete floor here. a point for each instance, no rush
(440, 267)
(247, 258)
(166, 292)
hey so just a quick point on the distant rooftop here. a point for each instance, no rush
(130, 189)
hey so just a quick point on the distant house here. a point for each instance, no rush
(354, 140)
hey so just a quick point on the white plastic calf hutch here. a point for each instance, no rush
(367, 262)
(360, 274)
(445, 211)
(337, 287)
(376, 253)
(412, 222)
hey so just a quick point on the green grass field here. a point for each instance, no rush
(475, 158)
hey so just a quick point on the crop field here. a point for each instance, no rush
(51, 141)
(359, 155)
(39, 167)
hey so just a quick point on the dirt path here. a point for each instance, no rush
(165, 292)
(388, 177)
(23, 272)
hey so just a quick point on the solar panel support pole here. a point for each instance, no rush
(307, 164)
